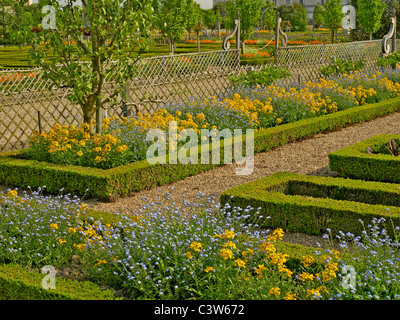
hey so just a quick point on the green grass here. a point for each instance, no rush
(13, 57)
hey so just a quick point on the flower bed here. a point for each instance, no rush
(203, 253)
(356, 163)
(312, 204)
(112, 183)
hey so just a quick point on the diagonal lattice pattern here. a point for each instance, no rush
(27, 99)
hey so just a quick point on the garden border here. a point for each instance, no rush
(355, 163)
(304, 213)
(17, 283)
(112, 183)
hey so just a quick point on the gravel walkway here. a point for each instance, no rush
(308, 156)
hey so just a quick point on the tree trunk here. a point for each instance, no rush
(332, 36)
(370, 36)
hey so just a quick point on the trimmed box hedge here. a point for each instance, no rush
(312, 204)
(112, 183)
(17, 283)
(354, 161)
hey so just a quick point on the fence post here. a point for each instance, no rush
(99, 117)
(277, 26)
(125, 110)
(394, 31)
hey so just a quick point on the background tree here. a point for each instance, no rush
(318, 16)
(117, 27)
(193, 16)
(171, 17)
(250, 14)
(369, 15)
(269, 16)
(295, 14)
(333, 16)
(13, 14)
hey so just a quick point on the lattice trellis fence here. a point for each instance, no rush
(305, 62)
(24, 94)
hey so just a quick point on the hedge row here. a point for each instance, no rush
(354, 161)
(112, 183)
(18, 283)
(312, 204)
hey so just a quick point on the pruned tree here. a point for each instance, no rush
(116, 29)
(369, 15)
(333, 16)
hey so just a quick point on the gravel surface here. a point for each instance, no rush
(308, 156)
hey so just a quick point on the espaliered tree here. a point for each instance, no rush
(116, 29)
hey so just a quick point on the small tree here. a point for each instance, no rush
(192, 14)
(117, 27)
(171, 19)
(295, 14)
(333, 16)
(369, 15)
(250, 13)
(318, 16)
(269, 15)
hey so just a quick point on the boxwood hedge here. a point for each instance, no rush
(112, 183)
(354, 161)
(312, 204)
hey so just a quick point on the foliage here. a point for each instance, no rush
(392, 147)
(333, 16)
(171, 17)
(391, 60)
(263, 77)
(69, 145)
(351, 162)
(369, 15)
(318, 16)
(296, 15)
(116, 28)
(339, 66)
(14, 14)
(269, 16)
(249, 11)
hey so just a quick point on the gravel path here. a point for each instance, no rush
(308, 156)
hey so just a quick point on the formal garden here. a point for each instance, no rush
(92, 203)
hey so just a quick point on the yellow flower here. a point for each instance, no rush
(53, 226)
(189, 255)
(307, 260)
(61, 241)
(230, 244)
(208, 269)
(305, 276)
(278, 120)
(80, 153)
(240, 263)
(100, 262)
(12, 193)
(196, 246)
(122, 148)
(276, 291)
(226, 254)
(71, 230)
(228, 234)
(290, 296)
(249, 252)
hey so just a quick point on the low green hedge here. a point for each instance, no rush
(17, 283)
(354, 162)
(312, 204)
(112, 183)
